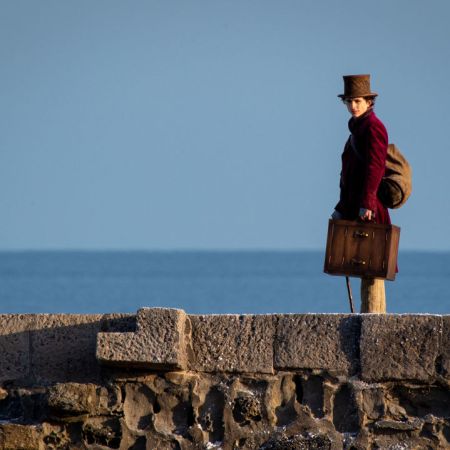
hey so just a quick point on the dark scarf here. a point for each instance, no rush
(355, 123)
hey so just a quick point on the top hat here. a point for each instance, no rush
(357, 86)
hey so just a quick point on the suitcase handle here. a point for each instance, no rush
(358, 262)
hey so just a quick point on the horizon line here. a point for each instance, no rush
(193, 249)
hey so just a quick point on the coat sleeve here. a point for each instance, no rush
(342, 187)
(339, 207)
(375, 164)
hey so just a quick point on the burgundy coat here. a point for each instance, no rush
(362, 170)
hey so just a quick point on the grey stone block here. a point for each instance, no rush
(399, 347)
(15, 346)
(63, 348)
(232, 343)
(317, 341)
(159, 341)
(444, 356)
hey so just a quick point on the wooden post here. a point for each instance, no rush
(373, 296)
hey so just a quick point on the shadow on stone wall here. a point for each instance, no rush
(54, 348)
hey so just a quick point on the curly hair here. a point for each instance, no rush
(370, 98)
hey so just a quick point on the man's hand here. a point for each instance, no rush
(366, 215)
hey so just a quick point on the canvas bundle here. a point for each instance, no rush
(396, 185)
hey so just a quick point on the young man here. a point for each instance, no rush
(363, 166)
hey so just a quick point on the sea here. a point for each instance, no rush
(207, 282)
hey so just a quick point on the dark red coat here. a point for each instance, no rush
(362, 172)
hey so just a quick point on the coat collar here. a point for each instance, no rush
(357, 123)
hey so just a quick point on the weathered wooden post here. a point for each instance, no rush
(373, 296)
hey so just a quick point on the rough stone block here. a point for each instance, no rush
(63, 348)
(232, 343)
(444, 356)
(15, 436)
(72, 399)
(15, 346)
(69, 400)
(159, 341)
(399, 347)
(317, 341)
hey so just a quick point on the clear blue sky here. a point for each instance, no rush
(210, 124)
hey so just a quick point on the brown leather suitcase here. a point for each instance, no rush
(361, 249)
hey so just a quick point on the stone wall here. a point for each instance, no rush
(162, 379)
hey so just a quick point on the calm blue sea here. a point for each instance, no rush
(206, 282)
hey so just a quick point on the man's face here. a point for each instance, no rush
(357, 106)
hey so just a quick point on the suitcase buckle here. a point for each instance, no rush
(360, 234)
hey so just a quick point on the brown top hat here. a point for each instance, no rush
(357, 86)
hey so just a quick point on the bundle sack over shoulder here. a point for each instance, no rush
(396, 185)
